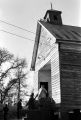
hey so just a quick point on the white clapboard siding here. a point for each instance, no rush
(46, 45)
(55, 77)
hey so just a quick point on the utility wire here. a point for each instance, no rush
(20, 28)
(17, 35)
(23, 37)
(17, 26)
(51, 46)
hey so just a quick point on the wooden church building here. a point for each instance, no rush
(56, 60)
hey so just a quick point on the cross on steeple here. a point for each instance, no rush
(51, 6)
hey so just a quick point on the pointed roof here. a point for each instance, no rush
(62, 33)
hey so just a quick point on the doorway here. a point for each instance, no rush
(45, 85)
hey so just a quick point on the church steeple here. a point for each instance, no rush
(53, 16)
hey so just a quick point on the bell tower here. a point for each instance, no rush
(53, 16)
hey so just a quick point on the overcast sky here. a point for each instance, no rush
(25, 13)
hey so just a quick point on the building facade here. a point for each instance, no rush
(56, 61)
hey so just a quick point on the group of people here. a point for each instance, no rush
(44, 102)
(19, 110)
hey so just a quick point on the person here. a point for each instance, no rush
(19, 109)
(31, 102)
(42, 92)
(5, 109)
(47, 106)
(52, 108)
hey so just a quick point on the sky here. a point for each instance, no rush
(25, 14)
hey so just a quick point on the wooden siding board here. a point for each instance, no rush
(48, 58)
(55, 77)
(71, 47)
(70, 73)
(70, 57)
(46, 45)
(71, 67)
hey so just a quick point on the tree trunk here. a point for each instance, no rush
(19, 90)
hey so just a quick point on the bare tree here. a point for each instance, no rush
(17, 77)
(5, 56)
(21, 76)
(15, 73)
